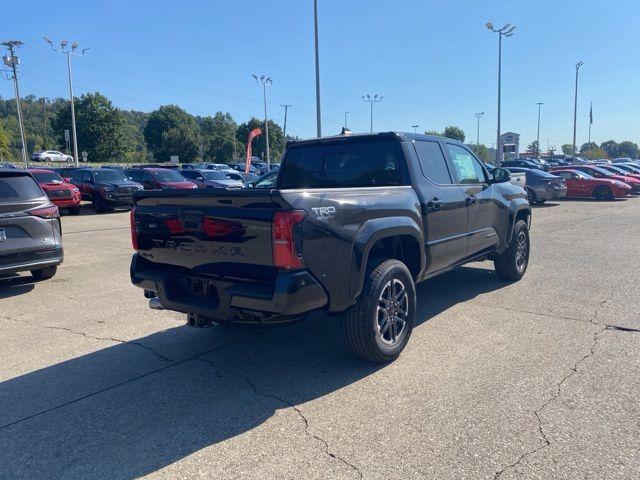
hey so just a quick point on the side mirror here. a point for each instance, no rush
(501, 175)
(200, 179)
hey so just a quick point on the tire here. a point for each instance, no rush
(369, 332)
(531, 196)
(44, 273)
(47, 159)
(603, 193)
(541, 202)
(98, 204)
(512, 263)
(74, 210)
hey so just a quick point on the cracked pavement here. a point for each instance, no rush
(538, 379)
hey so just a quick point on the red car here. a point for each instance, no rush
(619, 171)
(158, 178)
(62, 194)
(598, 172)
(580, 184)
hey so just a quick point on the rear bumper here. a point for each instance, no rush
(551, 193)
(26, 261)
(292, 293)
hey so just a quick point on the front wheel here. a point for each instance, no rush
(98, 204)
(378, 326)
(512, 263)
(603, 193)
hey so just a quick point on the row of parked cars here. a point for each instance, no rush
(599, 179)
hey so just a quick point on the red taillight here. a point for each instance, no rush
(284, 249)
(45, 212)
(134, 230)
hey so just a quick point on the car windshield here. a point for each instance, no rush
(213, 175)
(105, 175)
(167, 176)
(267, 181)
(47, 177)
(18, 188)
(583, 175)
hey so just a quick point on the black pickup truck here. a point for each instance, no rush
(351, 224)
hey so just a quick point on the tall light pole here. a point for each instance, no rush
(315, 24)
(265, 82)
(415, 128)
(70, 53)
(505, 31)
(538, 135)
(345, 119)
(371, 100)
(12, 61)
(478, 116)
(575, 107)
(284, 133)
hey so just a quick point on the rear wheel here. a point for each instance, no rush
(603, 193)
(378, 326)
(44, 273)
(98, 204)
(512, 263)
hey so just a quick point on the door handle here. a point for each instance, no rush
(470, 200)
(435, 204)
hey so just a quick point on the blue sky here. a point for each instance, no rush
(434, 61)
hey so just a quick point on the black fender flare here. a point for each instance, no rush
(370, 232)
(515, 209)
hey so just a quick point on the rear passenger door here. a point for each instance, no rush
(444, 212)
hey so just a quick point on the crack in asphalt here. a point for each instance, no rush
(287, 404)
(558, 393)
(94, 337)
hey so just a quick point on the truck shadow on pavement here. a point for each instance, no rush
(133, 408)
(13, 285)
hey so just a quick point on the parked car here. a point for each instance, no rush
(581, 184)
(541, 186)
(219, 167)
(517, 178)
(268, 180)
(51, 156)
(211, 179)
(521, 164)
(599, 172)
(618, 170)
(30, 230)
(7, 165)
(159, 178)
(66, 173)
(240, 167)
(628, 167)
(341, 233)
(62, 194)
(105, 188)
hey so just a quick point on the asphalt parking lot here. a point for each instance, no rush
(538, 379)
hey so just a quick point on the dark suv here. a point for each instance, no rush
(30, 232)
(105, 188)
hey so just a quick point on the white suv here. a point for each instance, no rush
(51, 156)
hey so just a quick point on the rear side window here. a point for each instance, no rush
(19, 188)
(432, 162)
(344, 165)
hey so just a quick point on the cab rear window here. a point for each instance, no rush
(344, 164)
(18, 188)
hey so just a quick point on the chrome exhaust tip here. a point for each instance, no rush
(154, 303)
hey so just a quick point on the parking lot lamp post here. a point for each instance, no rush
(265, 82)
(478, 116)
(505, 31)
(371, 100)
(538, 136)
(575, 107)
(12, 61)
(70, 53)
(317, 55)
(415, 128)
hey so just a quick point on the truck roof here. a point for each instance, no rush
(397, 136)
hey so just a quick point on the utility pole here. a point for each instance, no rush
(318, 116)
(575, 107)
(478, 116)
(538, 136)
(505, 31)
(44, 123)
(284, 133)
(11, 60)
(265, 82)
(69, 53)
(415, 128)
(371, 100)
(345, 119)
(590, 120)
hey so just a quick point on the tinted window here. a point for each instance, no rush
(268, 181)
(566, 175)
(467, 167)
(109, 175)
(167, 176)
(432, 162)
(191, 174)
(344, 164)
(47, 177)
(18, 188)
(86, 177)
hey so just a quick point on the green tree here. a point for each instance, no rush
(99, 125)
(181, 141)
(533, 147)
(627, 149)
(588, 146)
(5, 153)
(594, 153)
(276, 139)
(611, 147)
(218, 134)
(454, 132)
(567, 149)
(165, 118)
(481, 151)
(435, 133)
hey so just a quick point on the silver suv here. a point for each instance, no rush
(30, 231)
(51, 156)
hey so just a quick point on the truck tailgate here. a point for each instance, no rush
(210, 232)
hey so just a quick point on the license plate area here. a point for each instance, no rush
(194, 288)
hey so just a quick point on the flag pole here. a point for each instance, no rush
(590, 120)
